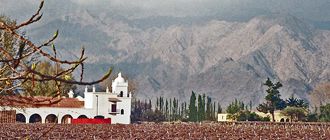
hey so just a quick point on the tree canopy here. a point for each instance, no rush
(273, 99)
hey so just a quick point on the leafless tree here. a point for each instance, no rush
(320, 95)
(16, 67)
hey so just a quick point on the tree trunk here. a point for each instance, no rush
(273, 116)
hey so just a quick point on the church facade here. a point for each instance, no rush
(115, 105)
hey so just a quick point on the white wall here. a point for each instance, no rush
(95, 103)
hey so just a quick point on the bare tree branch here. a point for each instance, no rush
(16, 69)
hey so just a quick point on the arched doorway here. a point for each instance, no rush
(35, 118)
(51, 118)
(282, 120)
(66, 119)
(82, 116)
(121, 94)
(20, 118)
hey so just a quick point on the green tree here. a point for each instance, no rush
(200, 110)
(325, 113)
(273, 100)
(214, 115)
(203, 116)
(295, 113)
(11, 45)
(295, 102)
(296, 108)
(166, 110)
(192, 108)
(219, 108)
(234, 109)
(247, 115)
(48, 88)
(161, 104)
(208, 108)
(182, 114)
(170, 111)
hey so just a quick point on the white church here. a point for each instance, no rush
(115, 105)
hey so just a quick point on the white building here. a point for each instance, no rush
(115, 105)
(223, 117)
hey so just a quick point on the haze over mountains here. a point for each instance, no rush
(224, 48)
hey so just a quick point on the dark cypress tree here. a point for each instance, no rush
(150, 105)
(203, 108)
(157, 104)
(174, 110)
(170, 111)
(192, 108)
(219, 108)
(161, 103)
(208, 109)
(186, 111)
(146, 104)
(200, 108)
(177, 109)
(182, 114)
(214, 115)
(166, 110)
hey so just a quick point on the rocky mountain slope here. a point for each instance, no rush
(225, 60)
(171, 56)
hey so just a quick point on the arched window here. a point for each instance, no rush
(287, 120)
(121, 94)
(122, 111)
(51, 118)
(20, 118)
(66, 119)
(35, 118)
(99, 117)
(82, 116)
(282, 120)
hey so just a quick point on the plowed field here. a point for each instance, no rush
(238, 130)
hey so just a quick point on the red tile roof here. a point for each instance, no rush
(40, 101)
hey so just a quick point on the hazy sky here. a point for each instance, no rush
(307, 9)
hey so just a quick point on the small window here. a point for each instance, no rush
(121, 94)
(113, 107)
(122, 112)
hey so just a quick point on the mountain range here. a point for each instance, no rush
(170, 56)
